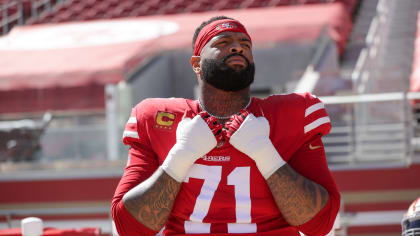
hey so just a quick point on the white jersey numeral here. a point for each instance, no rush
(240, 179)
(211, 176)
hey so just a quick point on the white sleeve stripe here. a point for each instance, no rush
(316, 123)
(313, 108)
(131, 134)
(132, 120)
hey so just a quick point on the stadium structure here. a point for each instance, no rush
(71, 70)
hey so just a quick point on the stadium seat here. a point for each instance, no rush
(93, 14)
(308, 1)
(277, 3)
(158, 4)
(49, 18)
(199, 6)
(254, 3)
(226, 5)
(174, 6)
(27, 7)
(105, 9)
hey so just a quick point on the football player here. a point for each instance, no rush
(226, 163)
(411, 221)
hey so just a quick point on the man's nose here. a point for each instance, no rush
(236, 47)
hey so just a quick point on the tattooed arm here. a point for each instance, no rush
(298, 198)
(151, 201)
(305, 190)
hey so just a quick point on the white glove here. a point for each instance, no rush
(252, 138)
(194, 139)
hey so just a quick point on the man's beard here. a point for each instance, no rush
(217, 73)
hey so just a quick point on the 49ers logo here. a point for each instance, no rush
(165, 120)
(227, 25)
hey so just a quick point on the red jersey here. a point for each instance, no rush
(224, 192)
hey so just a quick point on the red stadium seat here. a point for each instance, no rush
(49, 18)
(173, 7)
(309, 1)
(276, 3)
(255, 3)
(158, 3)
(103, 9)
(67, 16)
(225, 5)
(27, 7)
(145, 10)
(111, 4)
(199, 7)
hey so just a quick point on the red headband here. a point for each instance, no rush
(215, 28)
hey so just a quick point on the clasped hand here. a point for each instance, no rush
(197, 136)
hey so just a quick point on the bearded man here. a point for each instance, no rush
(227, 163)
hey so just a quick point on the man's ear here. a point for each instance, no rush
(195, 64)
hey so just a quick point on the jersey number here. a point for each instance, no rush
(239, 178)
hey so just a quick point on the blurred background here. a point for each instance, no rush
(71, 70)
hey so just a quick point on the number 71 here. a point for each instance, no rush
(240, 179)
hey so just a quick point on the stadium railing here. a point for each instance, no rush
(382, 137)
(11, 14)
(18, 12)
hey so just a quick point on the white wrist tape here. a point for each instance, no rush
(252, 138)
(194, 139)
(267, 158)
(178, 162)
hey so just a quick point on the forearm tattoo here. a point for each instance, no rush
(298, 198)
(151, 202)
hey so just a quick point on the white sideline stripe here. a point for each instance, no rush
(52, 211)
(132, 120)
(71, 173)
(314, 108)
(104, 224)
(373, 218)
(316, 123)
(131, 134)
(374, 97)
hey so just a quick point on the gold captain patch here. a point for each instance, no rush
(165, 120)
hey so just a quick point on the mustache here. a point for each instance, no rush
(235, 54)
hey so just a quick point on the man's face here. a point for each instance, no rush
(227, 62)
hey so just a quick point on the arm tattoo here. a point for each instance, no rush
(151, 202)
(298, 198)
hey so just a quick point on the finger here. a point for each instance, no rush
(242, 115)
(214, 125)
(204, 115)
(237, 119)
(210, 120)
(188, 114)
(229, 132)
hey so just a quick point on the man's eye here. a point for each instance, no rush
(247, 45)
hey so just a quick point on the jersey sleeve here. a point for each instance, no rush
(316, 120)
(310, 161)
(142, 163)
